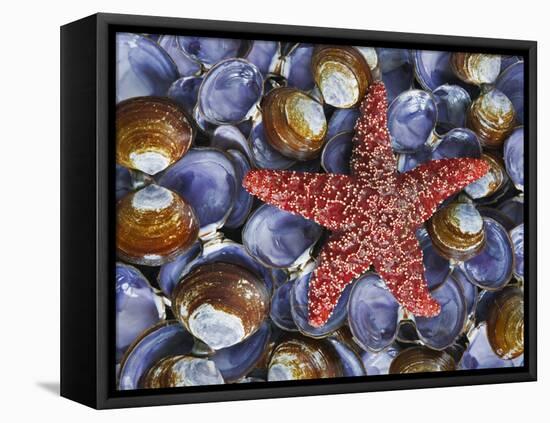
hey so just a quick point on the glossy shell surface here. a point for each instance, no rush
(420, 360)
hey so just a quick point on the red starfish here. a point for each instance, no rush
(373, 213)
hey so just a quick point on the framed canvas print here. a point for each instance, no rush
(255, 211)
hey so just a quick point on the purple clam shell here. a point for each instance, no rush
(397, 70)
(506, 61)
(436, 268)
(440, 331)
(170, 273)
(280, 312)
(297, 67)
(453, 103)
(513, 209)
(458, 142)
(342, 120)
(230, 91)
(278, 238)
(468, 289)
(186, 66)
(484, 301)
(138, 307)
(511, 82)
(143, 68)
(378, 363)
(492, 267)
(206, 178)
(243, 201)
(408, 161)
(210, 51)
(411, 120)
(216, 251)
(227, 137)
(513, 157)
(337, 153)
(124, 182)
(238, 360)
(352, 365)
(516, 235)
(497, 215)
(312, 166)
(263, 54)
(185, 92)
(480, 355)
(165, 339)
(299, 309)
(372, 313)
(264, 155)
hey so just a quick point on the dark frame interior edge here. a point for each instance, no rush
(98, 393)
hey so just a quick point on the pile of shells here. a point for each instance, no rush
(211, 285)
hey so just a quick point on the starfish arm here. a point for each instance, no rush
(402, 269)
(372, 159)
(437, 180)
(324, 198)
(340, 262)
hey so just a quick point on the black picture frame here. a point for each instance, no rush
(87, 210)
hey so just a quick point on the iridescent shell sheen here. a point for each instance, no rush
(264, 155)
(492, 118)
(294, 123)
(513, 157)
(513, 209)
(182, 370)
(185, 64)
(458, 142)
(457, 231)
(342, 74)
(516, 235)
(505, 323)
(295, 67)
(185, 92)
(151, 133)
(209, 51)
(337, 153)
(299, 358)
(490, 187)
(420, 360)
(153, 226)
(221, 304)
(396, 70)
(511, 82)
(453, 103)
(476, 68)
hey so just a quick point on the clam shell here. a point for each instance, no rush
(221, 304)
(186, 66)
(412, 117)
(475, 68)
(350, 360)
(281, 313)
(153, 226)
(441, 331)
(516, 236)
(182, 370)
(420, 360)
(264, 155)
(124, 182)
(378, 363)
(396, 69)
(230, 92)
(143, 68)
(185, 92)
(337, 154)
(279, 239)
(492, 267)
(230, 137)
(505, 323)
(452, 102)
(491, 186)
(372, 313)
(165, 339)
(170, 273)
(296, 67)
(511, 83)
(151, 133)
(263, 54)
(436, 268)
(408, 161)
(458, 142)
(513, 157)
(207, 179)
(468, 289)
(300, 358)
(342, 74)
(209, 51)
(294, 123)
(342, 120)
(513, 209)
(238, 360)
(138, 307)
(243, 201)
(492, 118)
(457, 231)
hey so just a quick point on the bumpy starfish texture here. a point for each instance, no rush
(373, 213)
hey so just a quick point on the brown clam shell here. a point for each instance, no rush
(421, 359)
(492, 117)
(505, 323)
(476, 68)
(181, 370)
(294, 122)
(491, 186)
(221, 304)
(298, 357)
(153, 226)
(343, 69)
(151, 133)
(457, 231)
